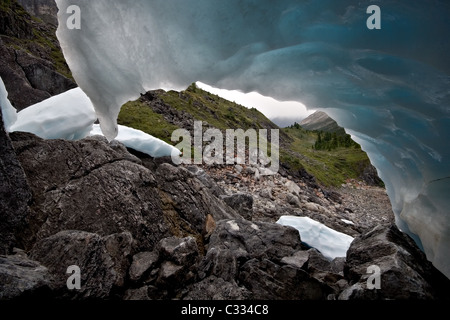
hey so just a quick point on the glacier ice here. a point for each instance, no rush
(69, 115)
(9, 113)
(331, 243)
(389, 88)
(141, 141)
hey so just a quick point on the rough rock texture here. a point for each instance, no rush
(142, 262)
(251, 253)
(405, 271)
(242, 203)
(186, 202)
(89, 186)
(214, 288)
(15, 194)
(103, 261)
(21, 277)
(32, 66)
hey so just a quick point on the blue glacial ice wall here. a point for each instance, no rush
(390, 88)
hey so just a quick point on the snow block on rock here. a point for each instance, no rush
(332, 244)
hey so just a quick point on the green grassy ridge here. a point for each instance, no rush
(138, 115)
(218, 112)
(330, 168)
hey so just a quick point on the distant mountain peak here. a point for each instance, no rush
(320, 121)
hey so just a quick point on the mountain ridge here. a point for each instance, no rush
(159, 113)
(320, 121)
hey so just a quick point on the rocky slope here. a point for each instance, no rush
(32, 66)
(45, 10)
(159, 113)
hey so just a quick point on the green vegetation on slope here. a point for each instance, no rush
(218, 112)
(36, 37)
(138, 115)
(330, 168)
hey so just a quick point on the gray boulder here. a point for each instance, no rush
(141, 264)
(255, 256)
(186, 202)
(103, 262)
(268, 280)
(21, 277)
(405, 273)
(242, 203)
(92, 186)
(181, 251)
(214, 288)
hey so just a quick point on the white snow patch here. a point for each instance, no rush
(140, 141)
(8, 111)
(331, 243)
(68, 116)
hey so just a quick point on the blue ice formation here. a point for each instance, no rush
(390, 88)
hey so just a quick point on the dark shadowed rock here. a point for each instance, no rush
(15, 194)
(242, 203)
(268, 281)
(140, 294)
(181, 251)
(236, 241)
(142, 263)
(214, 288)
(21, 277)
(90, 186)
(405, 271)
(186, 203)
(103, 262)
(254, 255)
